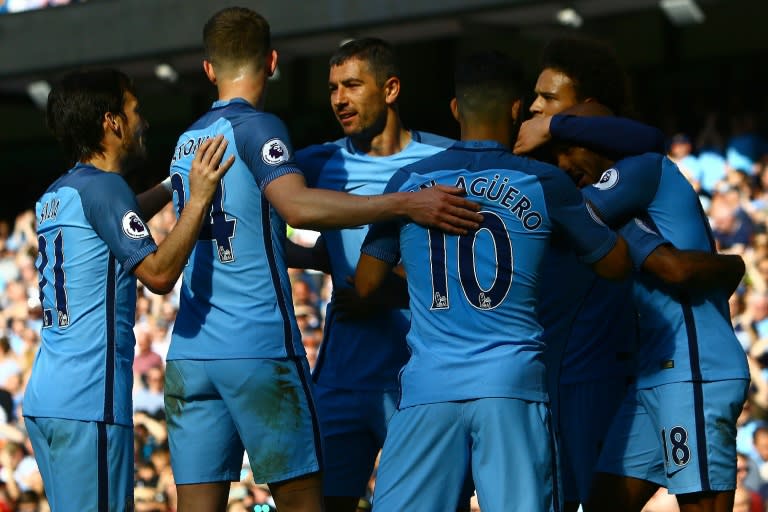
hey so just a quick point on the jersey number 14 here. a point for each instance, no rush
(219, 229)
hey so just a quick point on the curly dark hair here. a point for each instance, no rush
(594, 69)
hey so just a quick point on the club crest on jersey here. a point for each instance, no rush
(133, 226)
(274, 152)
(608, 180)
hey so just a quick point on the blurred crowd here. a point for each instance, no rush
(731, 175)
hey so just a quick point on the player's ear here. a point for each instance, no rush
(515, 109)
(111, 123)
(271, 64)
(391, 90)
(455, 108)
(209, 71)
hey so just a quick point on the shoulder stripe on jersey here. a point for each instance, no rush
(102, 470)
(266, 229)
(109, 373)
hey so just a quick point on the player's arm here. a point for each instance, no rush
(391, 293)
(617, 137)
(154, 199)
(696, 271)
(616, 263)
(370, 274)
(315, 257)
(160, 270)
(595, 244)
(379, 254)
(440, 206)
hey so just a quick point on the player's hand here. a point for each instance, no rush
(533, 134)
(348, 305)
(205, 173)
(444, 208)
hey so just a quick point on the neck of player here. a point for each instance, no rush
(499, 131)
(390, 139)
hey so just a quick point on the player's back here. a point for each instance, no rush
(588, 321)
(235, 296)
(83, 367)
(474, 331)
(681, 336)
(360, 353)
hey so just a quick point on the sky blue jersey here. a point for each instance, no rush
(681, 337)
(589, 322)
(90, 238)
(368, 353)
(236, 295)
(475, 331)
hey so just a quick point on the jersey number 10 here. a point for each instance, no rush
(478, 297)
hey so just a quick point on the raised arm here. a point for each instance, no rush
(439, 206)
(616, 137)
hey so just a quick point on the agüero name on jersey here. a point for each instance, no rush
(498, 190)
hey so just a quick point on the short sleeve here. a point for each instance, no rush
(111, 208)
(312, 159)
(625, 190)
(591, 239)
(383, 242)
(641, 240)
(264, 145)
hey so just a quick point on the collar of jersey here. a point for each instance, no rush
(481, 144)
(415, 138)
(224, 103)
(80, 165)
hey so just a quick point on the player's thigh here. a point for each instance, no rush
(512, 456)
(204, 442)
(425, 459)
(586, 412)
(271, 404)
(85, 465)
(632, 446)
(353, 426)
(697, 423)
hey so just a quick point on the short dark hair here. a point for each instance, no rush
(594, 69)
(76, 107)
(236, 35)
(378, 53)
(487, 83)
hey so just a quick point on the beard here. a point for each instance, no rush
(134, 160)
(135, 156)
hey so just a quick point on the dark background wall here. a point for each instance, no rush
(679, 73)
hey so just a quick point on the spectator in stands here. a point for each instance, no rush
(145, 357)
(681, 152)
(149, 398)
